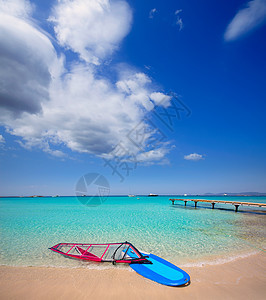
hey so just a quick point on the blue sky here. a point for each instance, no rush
(89, 87)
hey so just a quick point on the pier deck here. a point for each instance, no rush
(213, 202)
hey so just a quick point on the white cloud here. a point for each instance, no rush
(194, 157)
(27, 59)
(136, 89)
(93, 29)
(152, 13)
(53, 109)
(86, 114)
(161, 99)
(2, 139)
(153, 155)
(18, 8)
(246, 20)
(179, 21)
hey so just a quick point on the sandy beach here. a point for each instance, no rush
(244, 278)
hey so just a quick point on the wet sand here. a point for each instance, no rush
(244, 278)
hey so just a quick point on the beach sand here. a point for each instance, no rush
(244, 278)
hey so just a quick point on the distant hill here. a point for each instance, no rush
(236, 194)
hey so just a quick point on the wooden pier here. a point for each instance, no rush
(213, 202)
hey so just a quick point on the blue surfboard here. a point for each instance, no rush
(160, 271)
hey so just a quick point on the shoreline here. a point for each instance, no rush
(213, 260)
(241, 278)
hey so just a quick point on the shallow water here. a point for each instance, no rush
(183, 235)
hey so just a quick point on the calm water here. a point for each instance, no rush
(183, 235)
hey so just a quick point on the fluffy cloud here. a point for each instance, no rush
(27, 59)
(161, 99)
(194, 157)
(80, 109)
(246, 20)
(135, 89)
(153, 156)
(94, 28)
(19, 8)
(86, 114)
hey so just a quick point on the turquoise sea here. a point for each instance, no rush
(183, 235)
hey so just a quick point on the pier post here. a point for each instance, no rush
(173, 202)
(195, 203)
(185, 203)
(213, 203)
(236, 206)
